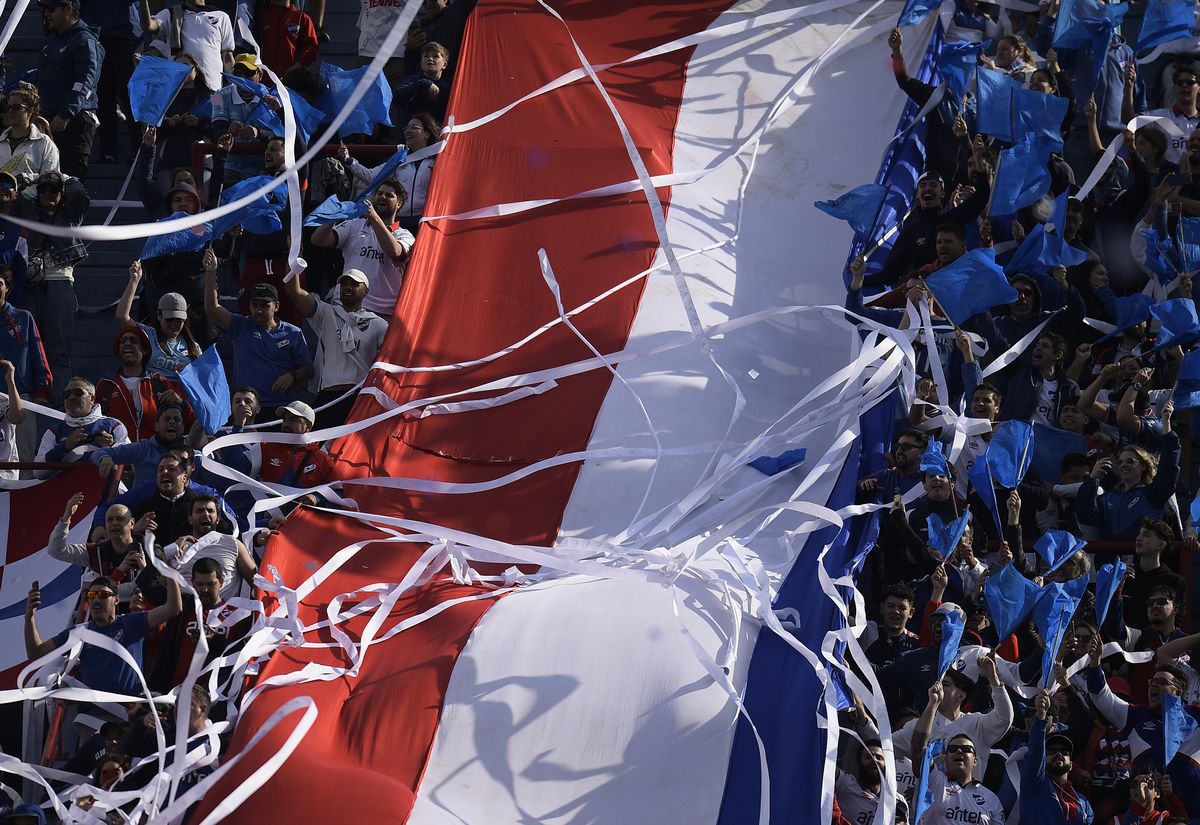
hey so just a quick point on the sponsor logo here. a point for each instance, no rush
(309, 468)
(963, 815)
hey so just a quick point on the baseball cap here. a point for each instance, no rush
(247, 61)
(947, 608)
(54, 4)
(7, 181)
(173, 305)
(1062, 741)
(299, 409)
(356, 275)
(264, 292)
(186, 188)
(933, 176)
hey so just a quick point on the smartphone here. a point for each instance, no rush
(36, 585)
(1179, 179)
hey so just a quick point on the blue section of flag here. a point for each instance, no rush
(924, 796)
(63, 586)
(1010, 599)
(933, 460)
(1040, 252)
(1053, 616)
(995, 107)
(1187, 383)
(183, 240)
(260, 216)
(1056, 546)
(152, 87)
(858, 207)
(333, 209)
(971, 285)
(1010, 452)
(915, 11)
(1041, 115)
(984, 485)
(1079, 21)
(945, 537)
(207, 390)
(372, 110)
(1178, 725)
(1108, 581)
(1178, 323)
(1050, 445)
(1131, 311)
(1164, 22)
(1187, 236)
(958, 62)
(953, 624)
(1058, 215)
(1021, 178)
(308, 118)
(773, 465)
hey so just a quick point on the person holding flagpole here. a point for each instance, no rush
(1047, 795)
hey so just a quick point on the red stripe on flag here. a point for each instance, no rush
(474, 288)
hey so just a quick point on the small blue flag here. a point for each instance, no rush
(1195, 510)
(995, 104)
(1131, 311)
(207, 389)
(915, 11)
(387, 170)
(1052, 623)
(333, 209)
(1041, 115)
(1165, 21)
(945, 537)
(372, 110)
(1021, 177)
(1187, 236)
(1079, 21)
(1178, 727)
(183, 240)
(953, 625)
(859, 207)
(970, 285)
(153, 86)
(248, 86)
(308, 118)
(1056, 546)
(1162, 256)
(1187, 383)
(957, 63)
(777, 464)
(1058, 215)
(933, 460)
(1040, 252)
(980, 476)
(1178, 323)
(1108, 581)
(260, 216)
(1050, 446)
(1010, 452)
(1010, 599)
(923, 799)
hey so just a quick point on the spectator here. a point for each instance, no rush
(205, 34)
(12, 414)
(115, 28)
(286, 36)
(375, 244)
(420, 132)
(1046, 791)
(293, 465)
(25, 150)
(234, 561)
(21, 345)
(118, 557)
(50, 279)
(1140, 488)
(896, 639)
(858, 793)
(426, 90)
(1037, 392)
(144, 454)
(68, 73)
(13, 248)
(166, 512)
(268, 354)
(131, 394)
(348, 339)
(376, 20)
(906, 472)
(1154, 539)
(84, 428)
(99, 669)
(232, 106)
(1184, 115)
(172, 344)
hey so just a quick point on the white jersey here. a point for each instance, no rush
(219, 546)
(8, 442)
(1177, 138)
(954, 803)
(858, 805)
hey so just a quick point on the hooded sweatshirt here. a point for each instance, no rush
(53, 446)
(68, 72)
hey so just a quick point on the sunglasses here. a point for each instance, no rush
(903, 446)
(960, 749)
(12, 107)
(1185, 82)
(92, 595)
(1157, 602)
(74, 392)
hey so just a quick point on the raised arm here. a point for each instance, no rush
(35, 647)
(221, 317)
(303, 300)
(16, 407)
(170, 608)
(1088, 405)
(125, 305)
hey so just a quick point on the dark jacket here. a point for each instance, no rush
(68, 72)
(1120, 512)
(1021, 394)
(54, 251)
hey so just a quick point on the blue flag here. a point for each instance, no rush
(1178, 726)
(1108, 581)
(152, 87)
(1178, 323)
(980, 476)
(1079, 21)
(923, 799)
(260, 216)
(1021, 177)
(308, 118)
(915, 11)
(333, 209)
(207, 389)
(372, 110)
(183, 240)
(945, 537)
(773, 465)
(1187, 384)
(1050, 446)
(1131, 311)
(953, 625)
(1056, 546)
(1164, 22)
(1162, 256)
(1041, 115)
(1053, 616)
(1010, 452)
(1058, 215)
(1040, 252)
(859, 207)
(995, 103)
(1010, 599)
(971, 285)
(1187, 236)
(957, 63)
(933, 460)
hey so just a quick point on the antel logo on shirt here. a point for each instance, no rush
(963, 815)
(281, 344)
(275, 462)
(309, 468)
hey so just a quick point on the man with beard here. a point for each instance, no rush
(1142, 725)
(117, 556)
(376, 245)
(1047, 795)
(858, 793)
(957, 795)
(133, 395)
(68, 72)
(1035, 393)
(85, 428)
(205, 542)
(145, 453)
(1161, 612)
(167, 511)
(905, 472)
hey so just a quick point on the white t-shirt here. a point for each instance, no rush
(360, 250)
(1176, 143)
(347, 343)
(205, 35)
(376, 19)
(224, 549)
(8, 442)
(1047, 400)
(954, 803)
(133, 385)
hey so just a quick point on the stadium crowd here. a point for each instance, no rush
(1027, 592)
(295, 349)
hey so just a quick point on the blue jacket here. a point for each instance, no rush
(68, 72)
(1021, 394)
(142, 454)
(1039, 795)
(21, 343)
(1121, 513)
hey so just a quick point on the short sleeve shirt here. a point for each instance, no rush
(102, 670)
(167, 358)
(347, 343)
(360, 250)
(206, 34)
(261, 356)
